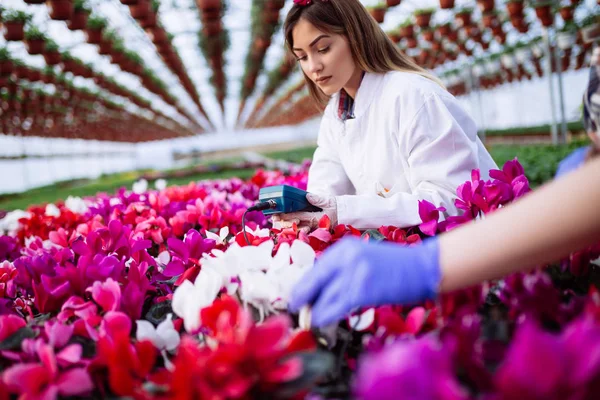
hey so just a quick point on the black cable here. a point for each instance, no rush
(263, 205)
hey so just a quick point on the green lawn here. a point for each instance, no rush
(540, 163)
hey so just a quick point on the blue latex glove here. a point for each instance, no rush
(354, 273)
(572, 161)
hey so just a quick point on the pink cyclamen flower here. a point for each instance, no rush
(302, 3)
(430, 214)
(541, 365)
(419, 369)
(107, 294)
(45, 379)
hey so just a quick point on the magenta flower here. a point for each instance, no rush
(470, 196)
(44, 379)
(430, 214)
(541, 365)
(510, 170)
(419, 369)
(9, 324)
(58, 334)
(107, 294)
(187, 253)
(135, 290)
(9, 248)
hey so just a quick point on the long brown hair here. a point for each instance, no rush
(372, 49)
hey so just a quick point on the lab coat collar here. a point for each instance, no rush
(368, 89)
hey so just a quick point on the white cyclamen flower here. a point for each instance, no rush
(160, 184)
(164, 336)
(140, 186)
(76, 204)
(189, 298)
(52, 211)
(10, 225)
(220, 238)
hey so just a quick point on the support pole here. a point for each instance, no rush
(561, 98)
(548, 49)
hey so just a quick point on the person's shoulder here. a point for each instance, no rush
(411, 86)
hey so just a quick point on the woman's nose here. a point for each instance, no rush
(315, 65)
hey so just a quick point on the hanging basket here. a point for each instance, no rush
(61, 10)
(423, 19)
(514, 8)
(6, 68)
(209, 4)
(378, 14)
(94, 36)
(407, 31)
(35, 46)
(105, 47)
(566, 13)
(486, 5)
(14, 31)
(545, 14)
(463, 18)
(489, 19)
(78, 20)
(52, 57)
(140, 10)
(428, 34)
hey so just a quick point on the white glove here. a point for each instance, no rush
(309, 219)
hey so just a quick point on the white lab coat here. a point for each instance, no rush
(410, 140)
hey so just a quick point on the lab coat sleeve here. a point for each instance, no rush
(441, 148)
(326, 175)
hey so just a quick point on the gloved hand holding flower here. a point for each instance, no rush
(309, 220)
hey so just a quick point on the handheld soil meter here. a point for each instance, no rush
(279, 199)
(284, 199)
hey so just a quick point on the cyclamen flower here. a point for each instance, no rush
(541, 365)
(430, 214)
(243, 358)
(45, 379)
(419, 369)
(164, 336)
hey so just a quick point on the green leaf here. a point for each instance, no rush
(374, 235)
(13, 342)
(158, 312)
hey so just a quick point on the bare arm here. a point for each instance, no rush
(561, 217)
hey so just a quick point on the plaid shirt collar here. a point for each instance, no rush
(346, 104)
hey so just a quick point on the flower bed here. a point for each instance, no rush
(156, 294)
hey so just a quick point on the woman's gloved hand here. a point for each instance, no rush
(309, 220)
(354, 273)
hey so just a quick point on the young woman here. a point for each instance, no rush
(355, 274)
(390, 135)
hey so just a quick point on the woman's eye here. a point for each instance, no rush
(325, 50)
(300, 58)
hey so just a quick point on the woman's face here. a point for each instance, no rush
(324, 57)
